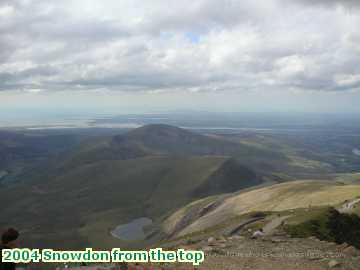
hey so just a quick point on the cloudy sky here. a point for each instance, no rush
(217, 55)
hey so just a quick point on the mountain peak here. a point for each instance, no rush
(157, 129)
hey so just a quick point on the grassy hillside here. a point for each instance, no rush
(281, 197)
(226, 179)
(167, 140)
(329, 225)
(83, 194)
(21, 151)
(273, 161)
(150, 171)
(149, 186)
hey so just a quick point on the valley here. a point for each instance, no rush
(219, 129)
(97, 190)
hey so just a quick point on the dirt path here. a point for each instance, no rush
(243, 224)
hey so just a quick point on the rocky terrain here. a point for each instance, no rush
(276, 252)
(232, 247)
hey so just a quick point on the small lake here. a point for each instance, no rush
(132, 231)
(356, 152)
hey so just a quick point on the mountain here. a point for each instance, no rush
(226, 179)
(163, 140)
(170, 140)
(160, 140)
(211, 212)
(147, 172)
(20, 151)
(192, 186)
(296, 218)
(308, 224)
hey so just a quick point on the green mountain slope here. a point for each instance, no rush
(166, 140)
(150, 171)
(276, 198)
(21, 151)
(149, 186)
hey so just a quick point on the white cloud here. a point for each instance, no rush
(348, 80)
(33, 90)
(289, 66)
(6, 11)
(177, 46)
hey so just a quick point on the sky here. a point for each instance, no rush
(115, 56)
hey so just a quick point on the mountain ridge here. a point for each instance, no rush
(144, 172)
